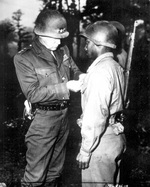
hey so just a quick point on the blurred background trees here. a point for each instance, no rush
(24, 36)
(125, 11)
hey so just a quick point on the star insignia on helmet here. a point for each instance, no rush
(62, 30)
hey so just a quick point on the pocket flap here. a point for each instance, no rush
(45, 71)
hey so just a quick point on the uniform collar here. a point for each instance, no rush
(98, 59)
(41, 50)
(45, 53)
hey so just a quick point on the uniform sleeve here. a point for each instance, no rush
(96, 111)
(31, 86)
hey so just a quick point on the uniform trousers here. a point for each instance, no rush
(104, 168)
(46, 147)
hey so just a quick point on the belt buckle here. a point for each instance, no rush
(62, 105)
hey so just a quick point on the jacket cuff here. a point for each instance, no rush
(62, 92)
(85, 153)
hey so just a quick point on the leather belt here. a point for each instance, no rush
(52, 106)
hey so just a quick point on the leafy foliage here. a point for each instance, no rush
(23, 35)
(6, 31)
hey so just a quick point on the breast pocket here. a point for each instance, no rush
(47, 75)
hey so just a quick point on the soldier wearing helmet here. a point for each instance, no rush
(121, 54)
(102, 93)
(43, 70)
(51, 24)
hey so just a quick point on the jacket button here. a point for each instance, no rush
(63, 78)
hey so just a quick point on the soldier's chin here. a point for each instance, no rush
(54, 48)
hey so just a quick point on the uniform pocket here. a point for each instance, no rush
(47, 76)
(45, 72)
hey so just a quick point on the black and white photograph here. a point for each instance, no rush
(75, 93)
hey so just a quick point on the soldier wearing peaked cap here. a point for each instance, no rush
(103, 140)
(43, 71)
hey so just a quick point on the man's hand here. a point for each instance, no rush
(83, 160)
(73, 85)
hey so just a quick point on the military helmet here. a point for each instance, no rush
(121, 33)
(102, 33)
(51, 23)
(119, 27)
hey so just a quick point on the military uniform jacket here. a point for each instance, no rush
(102, 96)
(41, 76)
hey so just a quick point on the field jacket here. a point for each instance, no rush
(41, 76)
(102, 96)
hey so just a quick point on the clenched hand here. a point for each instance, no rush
(83, 160)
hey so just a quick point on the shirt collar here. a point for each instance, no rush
(98, 59)
(42, 51)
